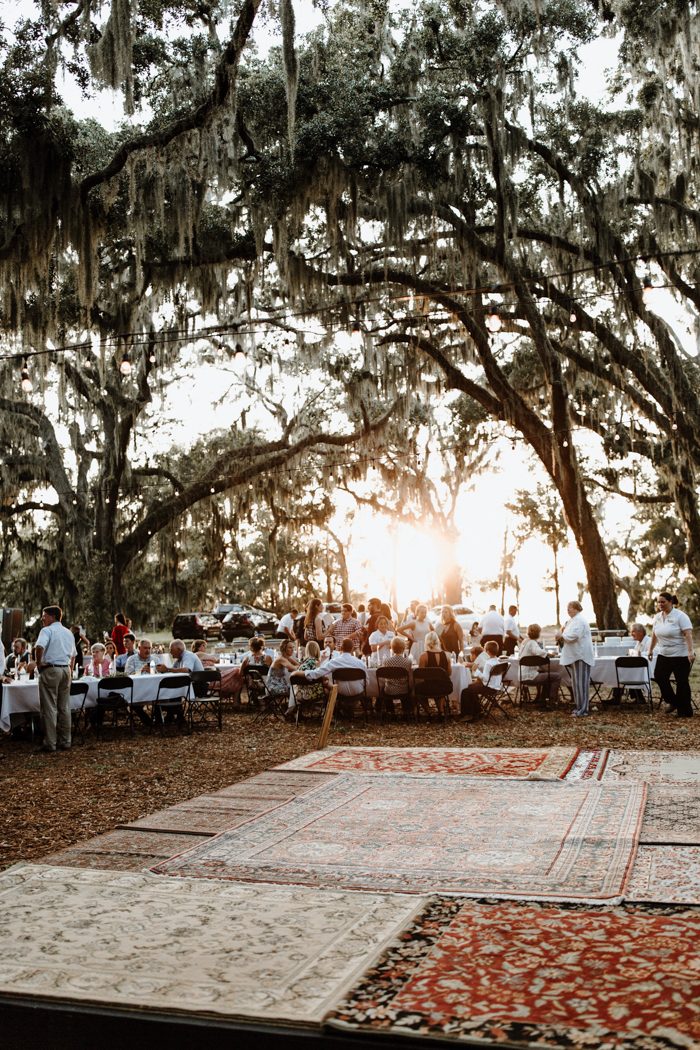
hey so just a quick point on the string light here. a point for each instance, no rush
(493, 321)
(649, 290)
(25, 378)
(356, 338)
(125, 365)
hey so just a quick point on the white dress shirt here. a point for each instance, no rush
(492, 623)
(578, 643)
(58, 644)
(337, 662)
(512, 627)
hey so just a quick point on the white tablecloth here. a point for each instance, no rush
(23, 697)
(603, 672)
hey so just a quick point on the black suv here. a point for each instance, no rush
(196, 625)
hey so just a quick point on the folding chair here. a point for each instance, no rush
(542, 663)
(115, 695)
(259, 696)
(255, 687)
(400, 689)
(77, 714)
(632, 673)
(351, 674)
(494, 696)
(309, 697)
(432, 683)
(207, 697)
(171, 700)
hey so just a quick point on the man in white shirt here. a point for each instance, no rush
(493, 628)
(183, 660)
(285, 628)
(341, 661)
(55, 655)
(512, 630)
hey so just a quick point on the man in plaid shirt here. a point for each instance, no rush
(346, 627)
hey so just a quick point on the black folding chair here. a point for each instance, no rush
(309, 696)
(259, 696)
(171, 701)
(255, 686)
(77, 714)
(115, 695)
(495, 696)
(352, 674)
(206, 686)
(632, 673)
(542, 663)
(432, 683)
(393, 684)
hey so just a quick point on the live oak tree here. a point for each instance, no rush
(389, 172)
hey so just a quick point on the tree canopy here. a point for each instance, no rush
(441, 177)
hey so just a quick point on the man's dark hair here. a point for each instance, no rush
(54, 611)
(130, 636)
(347, 605)
(347, 645)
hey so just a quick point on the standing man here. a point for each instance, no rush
(493, 628)
(346, 627)
(285, 628)
(513, 636)
(55, 654)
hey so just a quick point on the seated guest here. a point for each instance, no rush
(232, 680)
(477, 658)
(20, 655)
(398, 658)
(342, 660)
(99, 664)
(434, 656)
(450, 631)
(182, 661)
(140, 661)
(328, 648)
(277, 680)
(380, 641)
(306, 692)
(470, 704)
(641, 648)
(129, 647)
(207, 659)
(533, 647)
(110, 650)
(474, 637)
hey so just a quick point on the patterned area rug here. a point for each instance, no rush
(530, 974)
(535, 764)
(654, 767)
(588, 765)
(275, 783)
(122, 851)
(666, 874)
(481, 837)
(672, 814)
(206, 815)
(267, 952)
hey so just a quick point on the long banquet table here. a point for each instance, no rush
(23, 697)
(603, 672)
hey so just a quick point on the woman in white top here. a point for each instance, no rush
(417, 629)
(672, 638)
(533, 647)
(577, 654)
(380, 642)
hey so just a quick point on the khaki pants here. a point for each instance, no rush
(54, 700)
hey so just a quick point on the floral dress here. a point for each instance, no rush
(309, 692)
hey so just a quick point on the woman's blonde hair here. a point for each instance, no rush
(432, 642)
(313, 650)
(451, 614)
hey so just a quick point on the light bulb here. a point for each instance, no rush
(493, 321)
(125, 366)
(572, 317)
(26, 382)
(648, 290)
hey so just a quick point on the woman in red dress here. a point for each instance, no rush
(118, 631)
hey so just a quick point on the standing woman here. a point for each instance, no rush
(450, 631)
(577, 654)
(313, 621)
(118, 631)
(416, 629)
(672, 637)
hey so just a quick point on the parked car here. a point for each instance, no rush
(196, 625)
(243, 621)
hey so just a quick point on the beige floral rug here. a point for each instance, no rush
(123, 850)
(666, 875)
(528, 763)
(653, 767)
(274, 953)
(481, 837)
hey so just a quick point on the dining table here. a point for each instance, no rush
(22, 697)
(602, 673)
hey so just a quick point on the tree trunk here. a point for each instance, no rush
(342, 566)
(555, 583)
(680, 477)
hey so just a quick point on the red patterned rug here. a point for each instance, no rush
(527, 763)
(481, 837)
(527, 974)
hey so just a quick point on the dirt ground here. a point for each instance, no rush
(49, 802)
